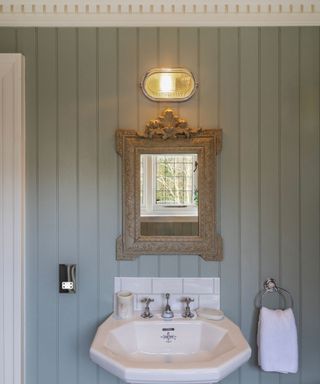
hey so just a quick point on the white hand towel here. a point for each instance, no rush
(277, 341)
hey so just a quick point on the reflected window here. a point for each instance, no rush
(169, 184)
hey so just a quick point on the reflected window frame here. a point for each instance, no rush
(148, 204)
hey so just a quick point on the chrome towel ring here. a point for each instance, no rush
(270, 286)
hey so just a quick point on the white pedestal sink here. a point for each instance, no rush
(176, 351)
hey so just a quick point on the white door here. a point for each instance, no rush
(12, 217)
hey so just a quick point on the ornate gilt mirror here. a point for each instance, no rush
(169, 189)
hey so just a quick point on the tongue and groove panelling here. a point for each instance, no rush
(260, 85)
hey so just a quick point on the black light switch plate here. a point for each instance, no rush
(67, 278)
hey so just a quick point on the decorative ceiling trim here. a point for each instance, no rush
(159, 13)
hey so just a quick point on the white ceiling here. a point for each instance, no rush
(159, 13)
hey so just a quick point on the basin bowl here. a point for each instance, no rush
(176, 351)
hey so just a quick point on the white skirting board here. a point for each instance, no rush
(12, 217)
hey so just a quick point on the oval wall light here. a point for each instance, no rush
(168, 84)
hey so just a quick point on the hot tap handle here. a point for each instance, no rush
(147, 300)
(147, 313)
(187, 313)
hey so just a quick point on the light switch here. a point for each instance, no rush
(67, 278)
(67, 285)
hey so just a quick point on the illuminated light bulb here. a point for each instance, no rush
(167, 83)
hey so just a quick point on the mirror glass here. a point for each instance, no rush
(169, 194)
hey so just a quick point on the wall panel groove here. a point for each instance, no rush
(289, 141)
(309, 208)
(260, 85)
(249, 196)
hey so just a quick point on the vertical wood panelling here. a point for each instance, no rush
(148, 58)
(88, 202)
(208, 78)
(249, 188)
(108, 192)
(67, 192)
(8, 40)
(27, 45)
(189, 42)
(128, 102)
(269, 164)
(168, 53)
(261, 86)
(290, 184)
(169, 56)
(309, 205)
(48, 208)
(230, 176)
(229, 119)
(188, 51)
(107, 174)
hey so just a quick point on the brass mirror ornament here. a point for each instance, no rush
(167, 126)
(169, 135)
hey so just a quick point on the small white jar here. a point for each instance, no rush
(124, 304)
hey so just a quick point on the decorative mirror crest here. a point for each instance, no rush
(167, 126)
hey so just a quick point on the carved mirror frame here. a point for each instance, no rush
(169, 134)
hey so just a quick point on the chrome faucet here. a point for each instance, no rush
(167, 312)
(147, 314)
(187, 312)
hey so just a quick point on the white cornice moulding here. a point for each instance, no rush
(159, 13)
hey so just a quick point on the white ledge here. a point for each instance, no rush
(159, 13)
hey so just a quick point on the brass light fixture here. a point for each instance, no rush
(169, 84)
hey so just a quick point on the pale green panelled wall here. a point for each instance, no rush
(261, 86)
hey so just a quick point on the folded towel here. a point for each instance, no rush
(277, 341)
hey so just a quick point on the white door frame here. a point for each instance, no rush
(12, 217)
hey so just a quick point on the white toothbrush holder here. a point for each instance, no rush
(124, 304)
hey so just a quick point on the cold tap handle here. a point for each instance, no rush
(188, 300)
